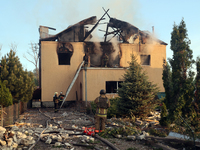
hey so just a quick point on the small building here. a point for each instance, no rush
(104, 61)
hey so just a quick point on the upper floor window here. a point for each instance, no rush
(145, 59)
(65, 52)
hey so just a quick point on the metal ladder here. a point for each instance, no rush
(72, 83)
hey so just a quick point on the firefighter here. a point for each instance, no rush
(103, 104)
(55, 100)
(60, 97)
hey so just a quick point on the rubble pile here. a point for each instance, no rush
(24, 135)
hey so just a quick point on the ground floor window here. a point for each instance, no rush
(113, 86)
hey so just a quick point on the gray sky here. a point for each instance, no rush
(20, 19)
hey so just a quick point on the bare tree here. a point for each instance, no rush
(34, 57)
(13, 47)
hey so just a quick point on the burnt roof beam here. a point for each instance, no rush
(88, 33)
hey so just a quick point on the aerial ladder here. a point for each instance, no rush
(72, 83)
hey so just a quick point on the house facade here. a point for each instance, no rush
(62, 54)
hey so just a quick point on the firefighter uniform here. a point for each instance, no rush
(60, 97)
(103, 104)
(55, 100)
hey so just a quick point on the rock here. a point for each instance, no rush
(140, 137)
(55, 127)
(132, 137)
(44, 135)
(39, 130)
(59, 138)
(25, 142)
(172, 125)
(147, 134)
(28, 124)
(14, 145)
(15, 128)
(57, 144)
(92, 139)
(83, 141)
(74, 127)
(40, 126)
(23, 136)
(19, 133)
(49, 140)
(59, 122)
(3, 142)
(9, 141)
(29, 138)
(54, 137)
(15, 138)
(86, 137)
(65, 136)
(19, 141)
(67, 145)
(26, 132)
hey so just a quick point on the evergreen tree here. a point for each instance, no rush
(19, 82)
(5, 96)
(182, 93)
(167, 83)
(137, 94)
(197, 85)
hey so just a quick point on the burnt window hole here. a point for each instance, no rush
(64, 58)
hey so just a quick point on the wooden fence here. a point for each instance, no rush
(13, 112)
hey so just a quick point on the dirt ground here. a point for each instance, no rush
(69, 117)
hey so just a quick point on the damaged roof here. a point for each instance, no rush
(122, 29)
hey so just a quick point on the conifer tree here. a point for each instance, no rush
(167, 83)
(182, 77)
(19, 82)
(5, 96)
(137, 94)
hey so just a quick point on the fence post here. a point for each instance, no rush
(18, 108)
(1, 115)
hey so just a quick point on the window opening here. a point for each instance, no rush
(64, 58)
(145, 59)
(113, 86)
(65, 52)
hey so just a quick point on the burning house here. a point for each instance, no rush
(61, 59)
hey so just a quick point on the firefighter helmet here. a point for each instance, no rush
(102, 91)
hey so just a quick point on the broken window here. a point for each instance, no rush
(113, 86)
(65, 52)
(145, 59)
